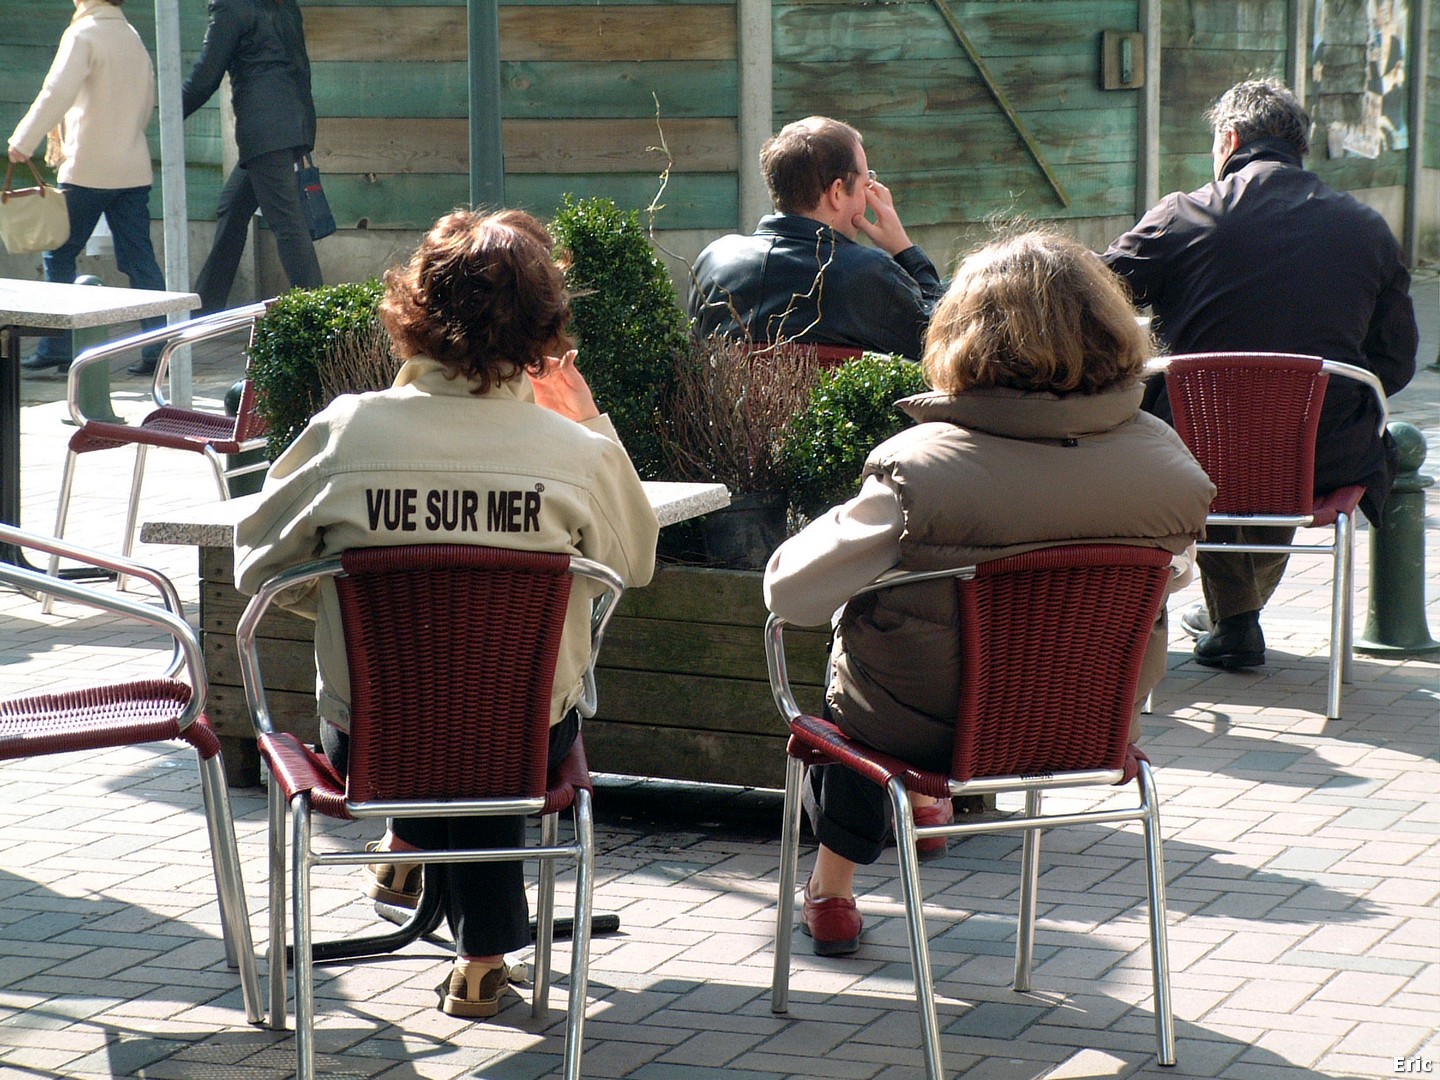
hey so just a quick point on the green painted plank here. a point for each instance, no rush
(969, 192)
(461, 3)
(694, 88)
(1059, 81)
(915, 30)
(1354, 173)
(692, 201)
(1186, 172)
(529, 90)
(978, 192)
(981, 138)
(1225, 24)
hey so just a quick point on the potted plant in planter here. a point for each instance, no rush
(626, 318)
(312, 346)
(850, 411)
(777, 430)
(727, 404)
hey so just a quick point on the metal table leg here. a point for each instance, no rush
(10, 462)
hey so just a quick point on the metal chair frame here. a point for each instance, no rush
(1341, 504)
(184, 671)
(809, 736)
(305, 950)
(245, 432)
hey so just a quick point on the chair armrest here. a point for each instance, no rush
(186, 653)
(1369, 378)
(245, 630)
(296, 768)
(600, 612)
(190, 332)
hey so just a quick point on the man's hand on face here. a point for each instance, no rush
(885, 232)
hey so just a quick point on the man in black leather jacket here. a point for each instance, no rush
(1270, 259)
(802, 276)
(261, 43)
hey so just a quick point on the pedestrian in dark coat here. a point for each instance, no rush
(261, 45)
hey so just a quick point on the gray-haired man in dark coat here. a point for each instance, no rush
(1269, 259)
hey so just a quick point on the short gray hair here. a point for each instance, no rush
(1259, 107)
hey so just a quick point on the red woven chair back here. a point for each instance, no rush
(249, 424)
(1251, 420)
(452, 652)
(1051, 643)
(826, 356)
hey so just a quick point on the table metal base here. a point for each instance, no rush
(429, 913)
(10, 459)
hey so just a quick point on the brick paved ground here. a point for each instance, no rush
(1303, 859)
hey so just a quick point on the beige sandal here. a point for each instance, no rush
(474, 989)
(396, 884)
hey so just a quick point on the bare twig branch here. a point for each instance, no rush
(729, 405)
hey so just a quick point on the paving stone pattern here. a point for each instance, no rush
(1303, 862)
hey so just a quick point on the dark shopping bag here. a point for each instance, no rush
(312, 198)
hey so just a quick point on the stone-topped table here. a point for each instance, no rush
(28, 308)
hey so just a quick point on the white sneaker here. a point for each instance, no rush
(1196, 621)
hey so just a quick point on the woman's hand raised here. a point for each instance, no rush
(562, 389)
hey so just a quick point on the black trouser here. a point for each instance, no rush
(484, 902)
(266, 182)
(849, 814)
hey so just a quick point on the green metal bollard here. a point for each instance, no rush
(1396, 623)
(247, 483)
(94, 388)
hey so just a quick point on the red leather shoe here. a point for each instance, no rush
(832, 922)
(941, 813)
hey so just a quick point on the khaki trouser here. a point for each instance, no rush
(1243, 581)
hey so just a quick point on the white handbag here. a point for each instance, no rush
(34, 218)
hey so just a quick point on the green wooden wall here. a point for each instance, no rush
(582, 88)
(1209, 45)
(931, 126)
(588, 90)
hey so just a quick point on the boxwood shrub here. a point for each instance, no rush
(850, 412)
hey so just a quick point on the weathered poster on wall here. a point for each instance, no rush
(1357, 76)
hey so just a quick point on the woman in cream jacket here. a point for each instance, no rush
(98, 96)
(488, 409)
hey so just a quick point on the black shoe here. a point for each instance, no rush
(1236, 642)
(35, 362)
(142, 367)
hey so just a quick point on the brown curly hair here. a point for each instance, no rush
(483, 294)
(1035, 311)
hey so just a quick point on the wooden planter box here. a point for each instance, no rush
(287, 658)
(683, 689)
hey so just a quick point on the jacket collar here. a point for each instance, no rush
(1028, 414)
(799, 227)
(96, 9)
(1265, 148)
(428, 376)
